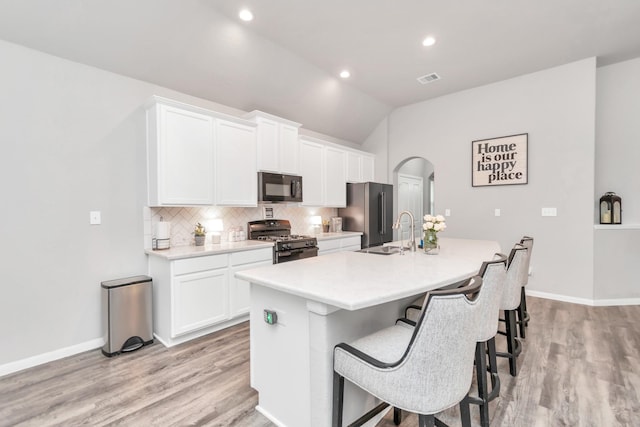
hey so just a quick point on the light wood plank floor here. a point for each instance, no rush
(580, 366)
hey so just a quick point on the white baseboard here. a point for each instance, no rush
(30, 362)
(585, 301)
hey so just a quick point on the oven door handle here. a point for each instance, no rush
(289, 253)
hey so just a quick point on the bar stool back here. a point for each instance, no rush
(425, 369)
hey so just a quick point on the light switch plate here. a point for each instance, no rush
(496, 212)
(447, 212)
(549, 212)
(95, 218)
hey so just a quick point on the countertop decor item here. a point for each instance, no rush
(432, 225)
(200, 234)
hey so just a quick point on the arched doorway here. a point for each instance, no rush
(414, 180)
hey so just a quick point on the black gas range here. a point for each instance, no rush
(287, 246)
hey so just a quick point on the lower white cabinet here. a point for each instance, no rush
(199, 300)
(339, 244)
(195, 296)
(239, 297)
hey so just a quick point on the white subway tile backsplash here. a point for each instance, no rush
(184, 219)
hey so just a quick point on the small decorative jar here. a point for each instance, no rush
(200, 240)
(610, 209)
(430, 243)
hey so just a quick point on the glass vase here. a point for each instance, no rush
(430, 243)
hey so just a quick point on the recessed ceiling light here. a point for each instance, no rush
(345, 74)
(429, 41)
(246, 15)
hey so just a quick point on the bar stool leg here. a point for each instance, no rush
(510, 316)
(481, 377)
(522, 314)
(338, 399)
(397, 416)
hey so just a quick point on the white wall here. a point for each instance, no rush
(616, 167)
(73, 140)
(556, 107)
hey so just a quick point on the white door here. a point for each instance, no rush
(410, 195)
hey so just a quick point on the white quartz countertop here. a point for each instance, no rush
(333, 236)
(355, 280)
(181, 252)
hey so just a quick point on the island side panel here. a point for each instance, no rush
(329, 326)
(280, 356)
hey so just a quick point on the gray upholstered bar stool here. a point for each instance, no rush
(522, 313)
(425, 369)
(510, 302)
(493, 275)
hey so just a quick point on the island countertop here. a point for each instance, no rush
(354, 280)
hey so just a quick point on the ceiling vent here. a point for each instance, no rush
(428, 78)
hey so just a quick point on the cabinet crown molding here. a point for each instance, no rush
(155, 100)
(261, 114)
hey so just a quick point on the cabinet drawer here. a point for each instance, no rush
(327, 245)
(351, 241)
(192, 265)
(246, 257)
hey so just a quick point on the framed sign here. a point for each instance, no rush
(499, 161)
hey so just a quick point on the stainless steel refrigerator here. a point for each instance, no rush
(369, 210)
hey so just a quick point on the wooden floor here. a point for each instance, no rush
(580, 366)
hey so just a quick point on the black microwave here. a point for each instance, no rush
(278, 188)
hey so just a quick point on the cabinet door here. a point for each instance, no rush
(239, 295)
(312, 173)
(199, 300)
(354, 167)
(184, 156)
(289, 149)
(236, 172)
(368, 170)
(335, 177)
(268, 146)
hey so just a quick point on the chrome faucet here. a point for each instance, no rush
(412, 238)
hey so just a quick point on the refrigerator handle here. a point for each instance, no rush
(383, 214)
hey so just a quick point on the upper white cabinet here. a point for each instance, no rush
(199, 157)
(311, 168)
(335, 163)
(235, 167)
(323, 168)
(360, 166)
(278, 148)
(180, 151)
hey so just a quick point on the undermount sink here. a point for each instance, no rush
(381, 250)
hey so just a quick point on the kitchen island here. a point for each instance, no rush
(322, 301)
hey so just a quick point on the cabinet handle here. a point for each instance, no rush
(383, 213)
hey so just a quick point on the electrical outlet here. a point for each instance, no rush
(447, 212)
(496, 212)
(94, 218)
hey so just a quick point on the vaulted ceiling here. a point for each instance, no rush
(286, 61)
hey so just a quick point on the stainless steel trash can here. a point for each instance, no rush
(127, 314)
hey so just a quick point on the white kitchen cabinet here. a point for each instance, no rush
(199, 157)
(335, 190)
(180, 156)
(360, 166)
(195, 296)
(323, 167)
(312, 170)
(339, 244)
(278, 148)
(239, 296)
(235, 164)
(200, 300)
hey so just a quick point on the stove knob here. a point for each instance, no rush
(286, 246)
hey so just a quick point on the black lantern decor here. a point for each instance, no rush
(610, 209)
